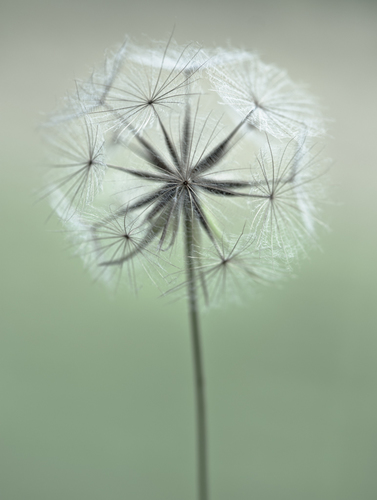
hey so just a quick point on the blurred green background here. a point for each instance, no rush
(96, 393)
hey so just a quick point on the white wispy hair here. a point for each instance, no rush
(78, 165)
(286, 184)
(137, 84)
(272, 102)
(230, 273)
(101, 236)
(148, 150)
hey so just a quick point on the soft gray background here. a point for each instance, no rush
(96, 398)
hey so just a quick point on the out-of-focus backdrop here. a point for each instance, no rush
(96, 396)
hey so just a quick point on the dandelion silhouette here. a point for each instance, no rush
(215, 149)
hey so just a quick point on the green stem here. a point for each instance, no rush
(198, 362)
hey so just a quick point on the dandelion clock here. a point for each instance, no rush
(200, 169)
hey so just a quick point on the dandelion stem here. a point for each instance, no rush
(198, 361)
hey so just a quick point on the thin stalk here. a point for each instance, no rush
(198, 362)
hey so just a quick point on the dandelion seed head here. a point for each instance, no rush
(168, 145)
